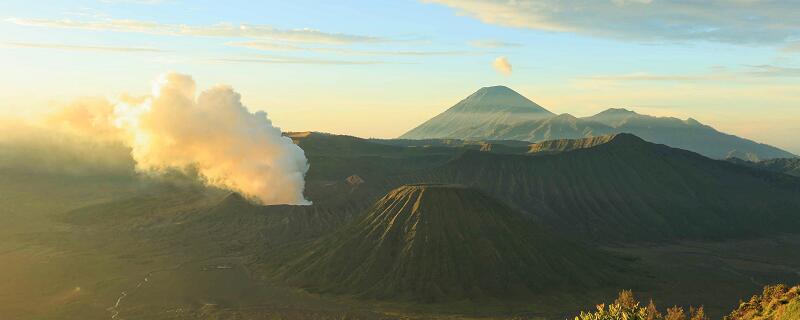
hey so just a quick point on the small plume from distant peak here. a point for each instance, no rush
(211, 133)
(502, 65)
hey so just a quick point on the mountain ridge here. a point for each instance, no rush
(628, 189)
(505, 123)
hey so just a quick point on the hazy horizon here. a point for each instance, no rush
(380, 69)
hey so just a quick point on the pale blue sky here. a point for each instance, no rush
(378, 68)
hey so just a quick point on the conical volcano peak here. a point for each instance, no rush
(432, 187)
(424, 200)
(499, 90)
(421, 193)
(430, 198)
(498, 98)
(479, 114)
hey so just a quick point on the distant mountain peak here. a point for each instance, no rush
(620, 114)
(621, 110)
(693, 121)
(484, 109)
(616, 112)
(497, 99)
(566, 116)
(496, 90)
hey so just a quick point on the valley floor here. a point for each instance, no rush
(66, 274)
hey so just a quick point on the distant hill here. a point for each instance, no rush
(499, 113)
(435, 243)
(628, 189)
(563, 145)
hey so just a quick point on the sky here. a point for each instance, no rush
(379, 68)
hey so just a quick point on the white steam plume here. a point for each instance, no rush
(212, 133)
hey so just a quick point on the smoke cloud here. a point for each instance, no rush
(31, 148)
(212, 134)
(502, 65)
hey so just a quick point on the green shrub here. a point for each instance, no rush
(626, 307)
(776, 302)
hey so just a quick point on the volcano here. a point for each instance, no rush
(480, 115)
(440, 242)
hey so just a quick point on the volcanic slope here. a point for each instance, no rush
(437, 243)
(629, 189)
(480, 115)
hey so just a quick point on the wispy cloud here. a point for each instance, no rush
(644, 76)
(492, 44)
(714, 74)
(274, 46)
(773, 71)
(740, 21)
(70, 47)
(269, 59)
(223, 30)
(792, 47)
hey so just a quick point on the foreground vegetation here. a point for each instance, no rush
(776, 302)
